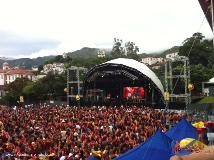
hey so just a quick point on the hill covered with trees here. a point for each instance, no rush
(26, 63)
(197, 48)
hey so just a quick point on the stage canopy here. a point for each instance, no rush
(211, 80)
(141, 67)
(109, 80)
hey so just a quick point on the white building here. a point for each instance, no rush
(206, 86)
(156, 67)
(172, 55)
(40, 76)
(55, 68)
(8, 76)
(152, 60)
(101, 54)
(35, 68)
(5, 66)
(64, 55)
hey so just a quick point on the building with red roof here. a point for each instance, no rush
(8, 75)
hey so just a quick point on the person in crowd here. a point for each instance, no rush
(74, 132)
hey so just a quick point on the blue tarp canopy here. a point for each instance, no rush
(182, 130)
(91, 157)
(156, 147)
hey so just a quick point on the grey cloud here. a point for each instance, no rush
(13, 44)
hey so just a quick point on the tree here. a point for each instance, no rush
(50, 87)
(197, 49)
(211, 60)
(199, 74)
(58, 59)
(43, 90)
(40, 68)
(131, 50)
(117, 50)
(14, 91)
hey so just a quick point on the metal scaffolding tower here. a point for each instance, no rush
(169, 77)
(74, 83)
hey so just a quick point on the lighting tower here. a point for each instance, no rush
(170, 78)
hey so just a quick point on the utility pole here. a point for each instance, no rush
(212, 21)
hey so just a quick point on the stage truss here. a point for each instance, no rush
(169, 76)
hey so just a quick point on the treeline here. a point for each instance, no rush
(201, 56)
(48, 88)
(197, 48)
(87, 57)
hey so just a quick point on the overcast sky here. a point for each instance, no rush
(32, 28)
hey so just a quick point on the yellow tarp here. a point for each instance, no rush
(198, 124)
(190, 142)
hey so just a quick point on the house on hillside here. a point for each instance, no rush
(55, 68)
(101, 54)
(64, 55)
(35, 68)
(172, 56)
(152, 60)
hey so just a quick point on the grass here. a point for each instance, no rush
(209, 99)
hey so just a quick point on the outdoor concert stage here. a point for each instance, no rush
(122, 81)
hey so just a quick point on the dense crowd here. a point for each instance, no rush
(74, 132)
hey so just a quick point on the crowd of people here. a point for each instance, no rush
(62, 132)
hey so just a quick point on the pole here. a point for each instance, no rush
(78, 84)
(189, 80)
(152, 96)
(166, 84)
(212, 21)
(68, 89)
(170, 77)
(185, 83)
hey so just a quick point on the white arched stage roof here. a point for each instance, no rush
(141, 67)
(211, 80)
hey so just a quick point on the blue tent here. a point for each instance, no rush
(182, 130)
(91, 157)
(156, 147)
(183, 152)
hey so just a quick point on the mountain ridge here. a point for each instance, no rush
(84, 53)
(25, 63)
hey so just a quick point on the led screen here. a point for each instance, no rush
(133, 92)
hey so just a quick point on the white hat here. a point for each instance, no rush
(76, 156)
(62, 158)
(78, 126)
(70, 154)
(75, 134)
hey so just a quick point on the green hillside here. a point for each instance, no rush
(26, 63)
(209, 99)
(85, 53)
